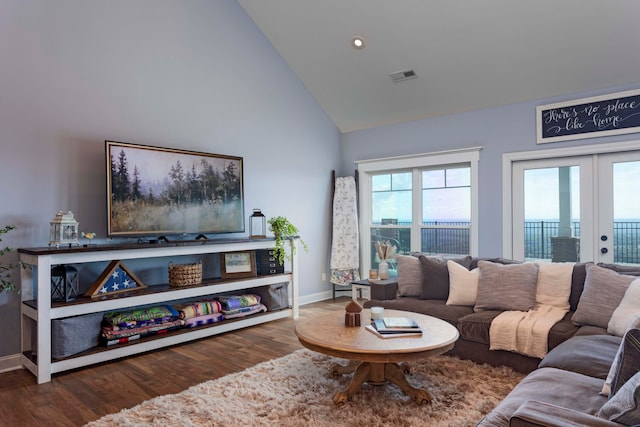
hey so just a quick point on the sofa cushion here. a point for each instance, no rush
(506, 287)
(629, 270)
(463, 284)
(475, 327)
(603, 291)
(627, 311)
(435, 308)
(549, 385)
(409, 276)
(435, 276)
(590, 355)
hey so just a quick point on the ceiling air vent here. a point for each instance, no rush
(401, 76)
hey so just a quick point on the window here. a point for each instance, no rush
(425, 203)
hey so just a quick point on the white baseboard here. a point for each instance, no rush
(317, 297)
(10, 363)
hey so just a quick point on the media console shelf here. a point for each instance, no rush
(37, 309)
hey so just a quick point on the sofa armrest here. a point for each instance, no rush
(539, 414)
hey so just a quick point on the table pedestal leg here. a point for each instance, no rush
(377, 374)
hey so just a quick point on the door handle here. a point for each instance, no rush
(604, 250)
(603, 238)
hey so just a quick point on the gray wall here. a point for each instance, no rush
(499, 130)
(193, 74)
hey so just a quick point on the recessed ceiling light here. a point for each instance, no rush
(357, 42)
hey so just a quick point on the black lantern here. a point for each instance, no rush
(64, 283)
(257, 225)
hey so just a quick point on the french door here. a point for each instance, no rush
(578, 208)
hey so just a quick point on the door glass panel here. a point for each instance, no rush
(552, 214)
(626, 213)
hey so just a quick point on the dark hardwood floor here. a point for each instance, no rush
(76, 397)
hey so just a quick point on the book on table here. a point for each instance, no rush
(397, 324)
(396, 334)
(410, 327)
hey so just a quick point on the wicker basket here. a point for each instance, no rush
(185, 274)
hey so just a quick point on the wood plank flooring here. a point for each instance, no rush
(76, 397)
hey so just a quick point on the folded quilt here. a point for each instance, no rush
(203, 320)
(525, 332)
(196, 309)
(123, 340)
(114, 332)
(244, 311)
(238, 301)
(139, 316)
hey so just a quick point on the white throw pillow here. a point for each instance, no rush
(628, 309)
(554, 284)
(463, 284)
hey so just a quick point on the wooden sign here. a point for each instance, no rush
(613, 114)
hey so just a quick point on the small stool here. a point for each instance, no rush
(360, 289)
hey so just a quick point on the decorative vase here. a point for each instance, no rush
(383, 270)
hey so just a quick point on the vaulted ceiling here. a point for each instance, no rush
(467, 54)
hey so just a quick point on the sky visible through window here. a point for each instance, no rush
(542, 192)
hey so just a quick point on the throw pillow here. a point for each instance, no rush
(506, 287)
(435, 276)
(463, 284)
(603, 291)
(554, 284)
(606, 388)
(409, 276)
(624, 406)
(629, 362)
(627, 311)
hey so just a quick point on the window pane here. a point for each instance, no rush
(626, 209)
(459, 177)
(446, 204)
(401, 181)
(433, 179)
(381, 182)
(391, 205)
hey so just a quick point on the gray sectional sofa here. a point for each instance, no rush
(565, 387)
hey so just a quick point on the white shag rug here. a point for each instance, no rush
(297, 390)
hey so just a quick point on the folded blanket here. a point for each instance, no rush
(203, 320)
(200, 308)
(113, 332)
(244, 311)
(139, 316)
(524, 332)
(238, 301)
(123, 340)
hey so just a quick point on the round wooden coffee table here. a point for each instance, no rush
(373, 359)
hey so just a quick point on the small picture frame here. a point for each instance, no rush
(236, 265)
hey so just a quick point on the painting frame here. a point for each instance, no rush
(605, 115)
(157, 191)
(238, 265)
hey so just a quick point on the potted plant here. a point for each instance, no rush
(283, 230)
(6, 271)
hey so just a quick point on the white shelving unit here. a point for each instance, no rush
(37, 309)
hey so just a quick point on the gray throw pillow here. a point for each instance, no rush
(409, 276)
(435, 276)
(624, 406)
(506, 287)
(603, 291)
(629, 361)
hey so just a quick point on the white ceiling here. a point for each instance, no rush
(468, 54)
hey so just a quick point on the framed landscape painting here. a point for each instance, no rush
(163, 191)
